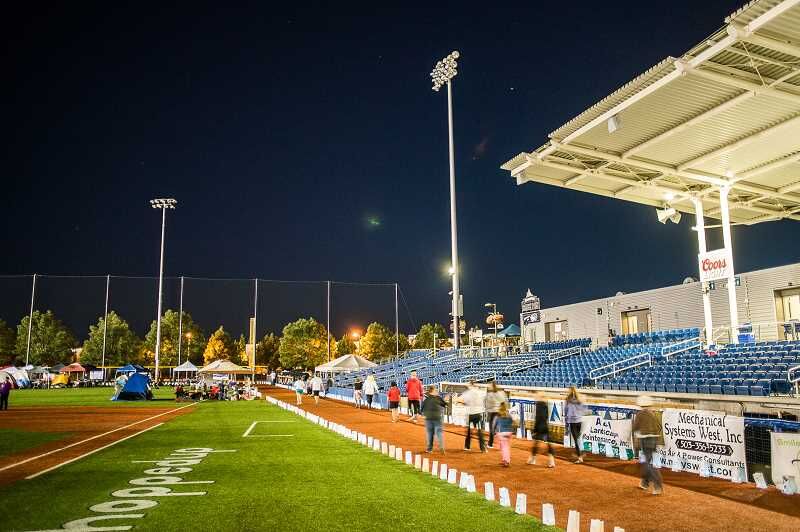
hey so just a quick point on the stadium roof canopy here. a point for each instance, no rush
(726, 113)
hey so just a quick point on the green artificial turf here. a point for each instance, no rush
(84, 397)
(13, 440)
(313, 480)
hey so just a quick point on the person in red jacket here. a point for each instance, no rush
(393, 395)
(414, 393)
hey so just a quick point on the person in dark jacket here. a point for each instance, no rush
(648, 435)
(541, 432)
(432, 410)
(5, 391)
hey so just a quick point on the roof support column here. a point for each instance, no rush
(701, 246)
(726, 238)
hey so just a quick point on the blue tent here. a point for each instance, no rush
(135, 389)
(511, 330)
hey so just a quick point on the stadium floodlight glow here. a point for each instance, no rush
(163, 204)
(445, 70)
(443, 74)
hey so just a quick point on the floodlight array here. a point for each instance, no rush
(444, 71)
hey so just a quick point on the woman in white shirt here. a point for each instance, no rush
(370, 389)
(299, 390)
(316, 388)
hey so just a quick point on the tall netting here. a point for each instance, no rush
(233, 304)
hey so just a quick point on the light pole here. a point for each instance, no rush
(493, 306)
(443, 74)
(163, 204)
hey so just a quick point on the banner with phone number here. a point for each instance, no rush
(701, 438)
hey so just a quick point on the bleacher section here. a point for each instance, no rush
(640, 363)
(660, 337)
(574, 371)
(743, 369)
(555, 346)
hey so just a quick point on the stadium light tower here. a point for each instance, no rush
(443, 74)
(163, 204)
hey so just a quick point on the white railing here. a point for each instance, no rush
(763, 331)
(794, 379)
(564, 353)
(481, 376)
(621, 365)
(521, 366)
(680, 347)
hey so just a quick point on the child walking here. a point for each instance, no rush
(393, 395)
(504, 429)
(299, 390)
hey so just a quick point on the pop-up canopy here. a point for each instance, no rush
(186, 367)
(73, 368)
(226, 367)
(345, 363)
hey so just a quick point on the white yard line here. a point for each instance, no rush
(48, 453)
(253, 425)
(90, 452)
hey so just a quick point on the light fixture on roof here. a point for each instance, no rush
(613, 123)
(668, 214)
(669, 196)
(729, 174)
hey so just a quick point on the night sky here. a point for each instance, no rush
(305, 143)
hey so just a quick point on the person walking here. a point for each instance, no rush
(433, 410)
(299, 390)
(474, 400)
(393, 395)
(370, 389)
(505, 430)
(648, 435)
(328, 385)
(5, 391)
(573, 417)
(357, 387)
(494, 398)
(414, 394)
(316, 388)
(541, 432)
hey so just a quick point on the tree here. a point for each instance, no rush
(193, 340)
(268, 351)
(220, 346)
(239, 354)
(378, 343)
(403, 343)
(51, 341)
(345, 346)
(424, 339)
(7, 340)
(122, 345)
(304, 344)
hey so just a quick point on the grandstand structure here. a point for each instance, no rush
(712, 133)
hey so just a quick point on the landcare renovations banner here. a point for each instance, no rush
(695, 437)
(613, 432)
(785, 457)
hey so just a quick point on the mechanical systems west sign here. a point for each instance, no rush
(714, 265)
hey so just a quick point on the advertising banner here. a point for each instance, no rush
(698, 439)
(785, 457)
(599, 434)
(713, 265)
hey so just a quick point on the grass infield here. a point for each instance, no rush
(311, 480)
(84, 397)
(13, 440)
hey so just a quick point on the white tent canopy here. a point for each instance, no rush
(186, 367)
(226, 367)
(345, 363)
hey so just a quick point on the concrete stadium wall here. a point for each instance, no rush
(675, 307)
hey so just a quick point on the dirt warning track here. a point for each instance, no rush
(90, 429)
(601, 488)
